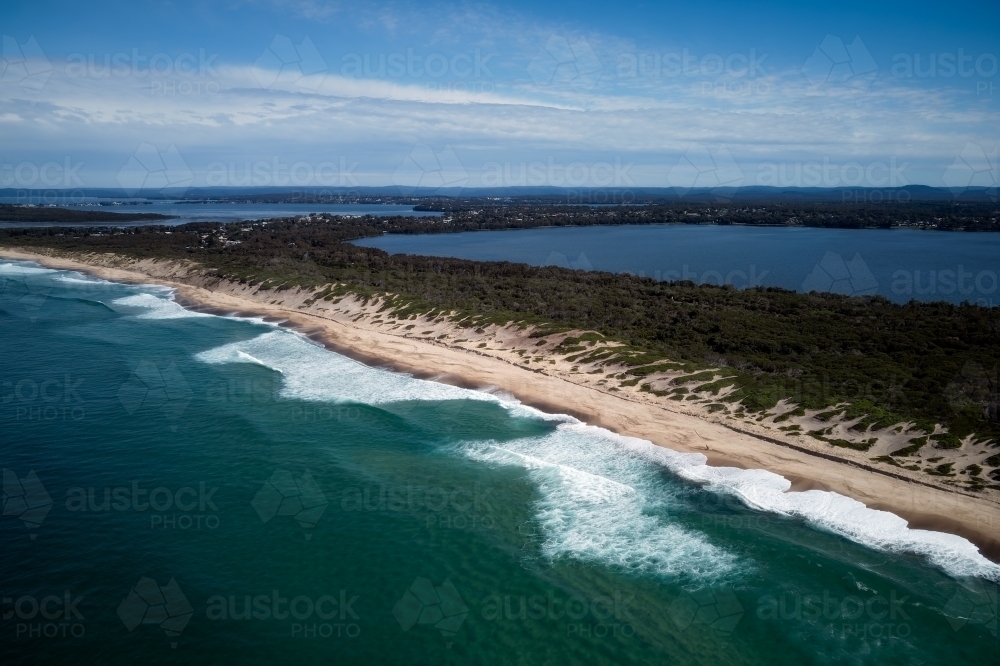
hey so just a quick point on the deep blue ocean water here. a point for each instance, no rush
(187, 488)
(900, 264)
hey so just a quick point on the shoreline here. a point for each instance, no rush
(921, 504)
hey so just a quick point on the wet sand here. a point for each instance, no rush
(923, 505)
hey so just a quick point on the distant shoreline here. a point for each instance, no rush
(30, 214)
(354, 329)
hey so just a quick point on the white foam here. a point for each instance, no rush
(243, 356)
(829, 511)
(157, 307)
(594, 498)
(596, 504)
(590, 506)
(584, 485)
(501, 395)
(18, 268)
(59, 275)
(77, 278)
(312, 373)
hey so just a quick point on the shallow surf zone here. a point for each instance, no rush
(19, 268)
(312, 373)
(33, 285)
(36, 282)
(829, 511)
(75, 278)
(575, 467)
(595, 504)
(157, 307)
(15, 269)
(600, 501)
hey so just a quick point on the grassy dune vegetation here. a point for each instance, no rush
(924, 363)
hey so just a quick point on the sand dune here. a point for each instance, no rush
(507, 359)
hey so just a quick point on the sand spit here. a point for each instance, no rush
(565, 373)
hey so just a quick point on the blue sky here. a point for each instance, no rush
(311, 92)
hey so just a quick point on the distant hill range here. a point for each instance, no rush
(582, 195)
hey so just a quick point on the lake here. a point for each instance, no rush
(900, 264)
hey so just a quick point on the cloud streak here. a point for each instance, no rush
(554, 93)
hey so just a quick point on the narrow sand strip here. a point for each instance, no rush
(923, 505)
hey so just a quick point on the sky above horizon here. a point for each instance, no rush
(146, 94)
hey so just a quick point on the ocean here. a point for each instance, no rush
(899, 264)
(185, 487)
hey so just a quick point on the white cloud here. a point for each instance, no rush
(775, 117)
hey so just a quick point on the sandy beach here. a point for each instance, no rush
(432, 349)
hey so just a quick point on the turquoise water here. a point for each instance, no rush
(900, 264)
(181, 487)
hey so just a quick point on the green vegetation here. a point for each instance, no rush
(946, 441)
(915, 445)
(529, 211)
(798, 411)
(826, 416)
(871, 359)
(31, 213)
(486, 214)
(843, 443)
